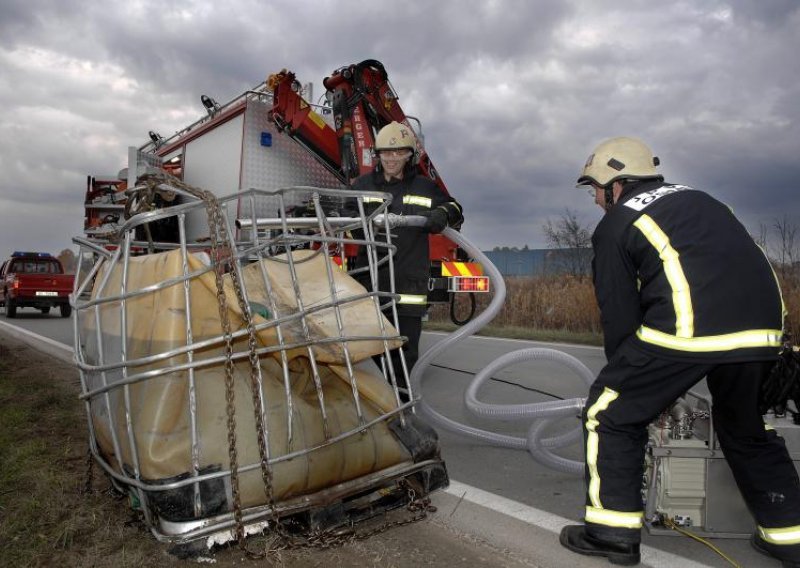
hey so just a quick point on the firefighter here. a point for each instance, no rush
(684, 293)
(412, 194)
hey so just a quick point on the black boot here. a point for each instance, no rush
(772, 551)
(574, 538)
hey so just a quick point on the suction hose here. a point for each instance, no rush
(542, 413)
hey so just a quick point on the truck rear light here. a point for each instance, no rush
(16, 284)
(469, 284)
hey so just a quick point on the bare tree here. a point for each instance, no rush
(573, 240)
(68, 261)
(786, 253)
(761, 239)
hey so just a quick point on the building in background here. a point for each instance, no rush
(542, 262)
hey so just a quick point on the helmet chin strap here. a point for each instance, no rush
(609, 196)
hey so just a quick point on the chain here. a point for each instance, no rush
(143, 200)
(222, 251)
(340, 536)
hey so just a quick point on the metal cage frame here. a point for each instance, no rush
(253, 239)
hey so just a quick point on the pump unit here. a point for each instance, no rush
(687, 479)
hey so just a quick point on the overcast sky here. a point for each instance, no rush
(513, 95)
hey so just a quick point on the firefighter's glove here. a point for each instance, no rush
(437, 220)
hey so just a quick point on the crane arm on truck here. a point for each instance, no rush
(296, 118)
(362, 101)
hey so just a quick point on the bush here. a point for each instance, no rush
(562, 303)
(790, 286)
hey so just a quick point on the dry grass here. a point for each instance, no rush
(539, 307)
(563, 308)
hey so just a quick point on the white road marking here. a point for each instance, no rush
(56, 348)
(554, 523)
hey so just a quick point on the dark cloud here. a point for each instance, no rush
(513, 94)
(776, 13)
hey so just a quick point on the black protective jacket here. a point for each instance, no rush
(680, 277)
(413, 195)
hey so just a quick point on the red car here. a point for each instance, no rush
(34, 280)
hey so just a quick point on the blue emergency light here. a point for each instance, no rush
(18, 254)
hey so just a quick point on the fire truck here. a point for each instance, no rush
(271, 137)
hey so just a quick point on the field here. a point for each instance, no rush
(563, 308)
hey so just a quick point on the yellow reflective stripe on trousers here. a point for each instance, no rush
(681, 295)
(785, 535)
(373, 199)
(412, 299)
(417, 200)
(609, 518)
(593, 442)
(726, 342)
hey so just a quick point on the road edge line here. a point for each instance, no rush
(551, 522)
(41, 343)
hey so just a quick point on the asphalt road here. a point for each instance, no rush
(507, 482)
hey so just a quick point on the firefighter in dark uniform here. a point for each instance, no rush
(684, 293)
(412, 194)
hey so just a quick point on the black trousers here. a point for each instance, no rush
(631, 391)
(411, 327)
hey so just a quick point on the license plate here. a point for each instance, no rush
(47, 293)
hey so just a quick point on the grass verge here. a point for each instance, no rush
(47, 516)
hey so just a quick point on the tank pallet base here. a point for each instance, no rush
(341, 505)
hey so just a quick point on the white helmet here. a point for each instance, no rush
(395, 136)
(619, 158)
